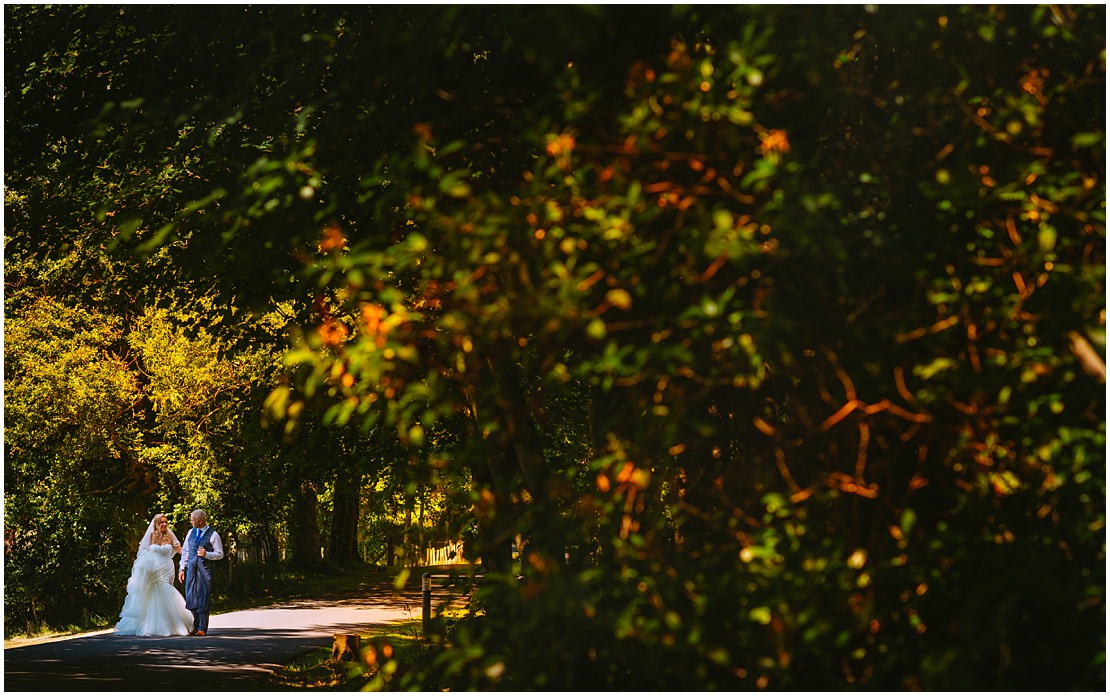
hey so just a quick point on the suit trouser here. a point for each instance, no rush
(198, 583)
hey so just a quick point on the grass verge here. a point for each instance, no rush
(384, 649)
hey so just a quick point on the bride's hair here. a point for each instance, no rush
(153, 532)
(156, 529)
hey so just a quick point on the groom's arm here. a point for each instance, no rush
(217, 551)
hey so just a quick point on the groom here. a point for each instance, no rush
(202, 546)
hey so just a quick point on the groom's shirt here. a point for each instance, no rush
(187, 549)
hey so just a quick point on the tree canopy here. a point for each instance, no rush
(774, 335)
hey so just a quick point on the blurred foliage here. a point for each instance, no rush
(775, 333)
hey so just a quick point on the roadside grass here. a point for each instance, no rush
(45, 632)
(384, 650)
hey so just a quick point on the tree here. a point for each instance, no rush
(142, 364)
(785, 323)
(812, 323)
(70, 458)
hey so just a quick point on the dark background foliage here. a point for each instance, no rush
(771, 336)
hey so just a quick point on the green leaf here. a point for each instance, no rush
(633, 194)
(401, 579)
(722, 219)
(128, 227)
(1087, 140)
(596, 329)
(934, 368)
(760, 615)
(210, 198)
(909, 519)
(1046, 238)
(454, 184)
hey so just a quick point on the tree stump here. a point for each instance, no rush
(345, 647)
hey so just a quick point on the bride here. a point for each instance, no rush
(153, 607)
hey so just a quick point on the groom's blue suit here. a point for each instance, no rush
(198, 578)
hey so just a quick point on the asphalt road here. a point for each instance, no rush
(240, 651)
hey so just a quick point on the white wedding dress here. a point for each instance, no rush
(153, 606)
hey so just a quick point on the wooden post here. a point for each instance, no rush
(426, 602)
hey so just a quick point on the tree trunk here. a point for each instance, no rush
(513, 469)
(406, 536)
(346, 647)
(344, 521)
(421, 542)
(494, 509)
(304, 535)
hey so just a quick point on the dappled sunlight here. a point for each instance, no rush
(241, 648)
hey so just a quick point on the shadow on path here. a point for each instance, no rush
(241, 650)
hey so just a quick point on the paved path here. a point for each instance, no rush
(242, 648)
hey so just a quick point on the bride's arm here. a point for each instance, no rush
(176, 543)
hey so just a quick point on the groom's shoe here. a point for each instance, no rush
(200, 633)
(193, 632)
